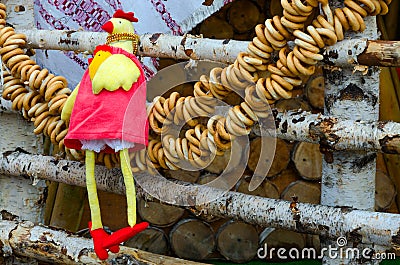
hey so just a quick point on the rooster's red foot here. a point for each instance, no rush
(103, 241)
(124, 234)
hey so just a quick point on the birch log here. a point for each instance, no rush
(385, 53)
(61, 247)
(336, 133)
(333, 132)
(365, 226)
(152, 45)
(18, 195)
(348, 178)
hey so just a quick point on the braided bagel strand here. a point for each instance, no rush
(247, 74)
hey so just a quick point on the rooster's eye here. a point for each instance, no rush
(119, 22)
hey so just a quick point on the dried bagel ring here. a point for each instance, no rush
(13, 41)
(39, 79)
(17, 92)
(302, 57)
(286, 85)
(291, 25)
(324, 23)
(354, 6)
(307, 45)
(27, 100)
(288, 7)
(302, 7)
(315, 35)
(39, 129)
(17, 59)
(40, 118)
(32, 78)
(330, 36)
(353, 22)
(58, 78)
(17, 102)
(276, 44)
(384, 8)
(44, 85)
(302, 69)
(259, 29)
(52, 89)
(280, 91)
(241, 61)
(56, 105)
(10, 54)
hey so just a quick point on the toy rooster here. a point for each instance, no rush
(96, 112)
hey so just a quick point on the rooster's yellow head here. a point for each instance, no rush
(121, 22)
(101, 53)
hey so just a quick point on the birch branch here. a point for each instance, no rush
(349, 178)
(382, 53)
(338, 134)
(151, 45)
(61, 247)
(360, 226)
(5, 106)
(359, 51)
(330, 132)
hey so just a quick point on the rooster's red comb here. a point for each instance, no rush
(128, 16)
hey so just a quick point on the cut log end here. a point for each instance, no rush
(243, 15)
(385, 191)
(158, 214)
(315, 89)
(305, 191)
(151, 240)
(280, 159)
(237, 241)
(308, 160)
(192, 239)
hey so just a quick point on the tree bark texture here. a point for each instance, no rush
(153, 45)
(358, 225)
(361, 51)
(61, 247)
(333, 132)
(348, 177)
(17, 195)
(336, 133)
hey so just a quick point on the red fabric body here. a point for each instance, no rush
(116, 114)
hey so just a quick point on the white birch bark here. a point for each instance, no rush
(359, 51)
(368, 227)
(330, 131)
(338, 133)
(153, 45)
(193, 47)
(17, 195)
(60, 247)
(5, 105)
(201, 14)
(348, 177)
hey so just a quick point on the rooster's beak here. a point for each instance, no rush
(108, 27)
